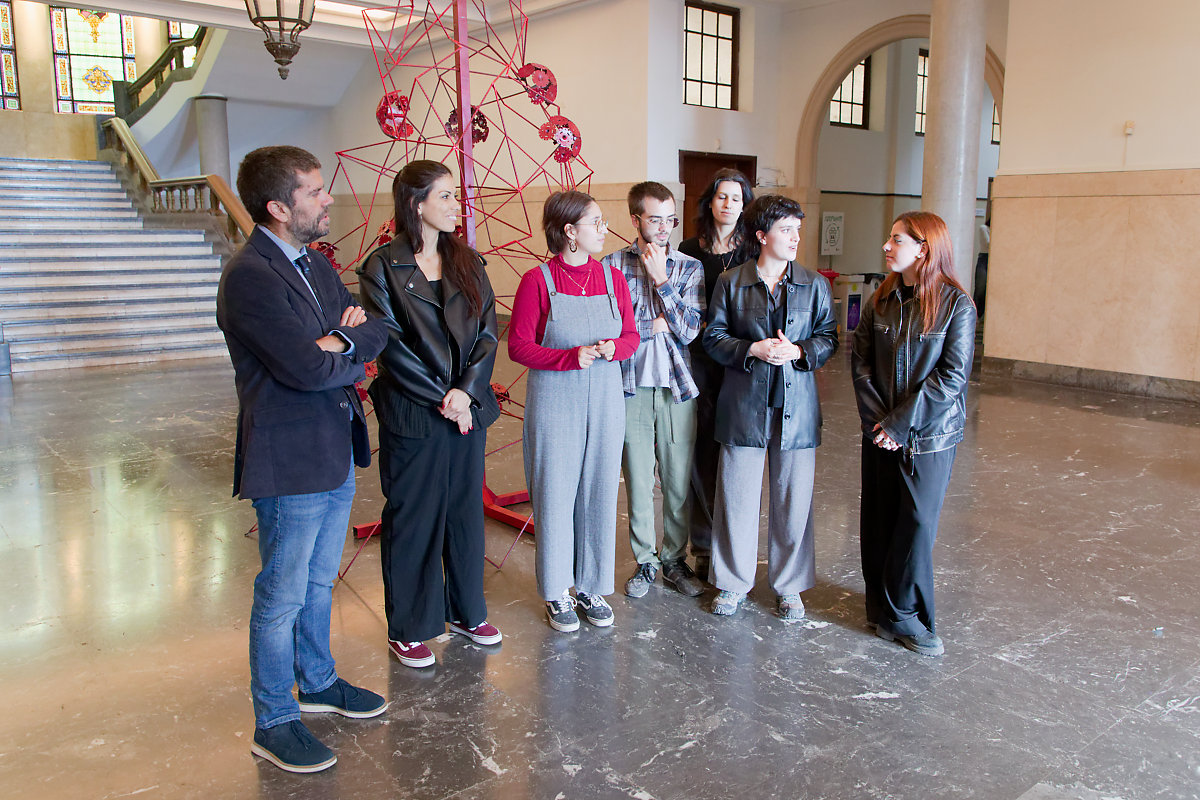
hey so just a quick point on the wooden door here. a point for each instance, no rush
(695, 172)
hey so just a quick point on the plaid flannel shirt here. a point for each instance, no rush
(680, 301)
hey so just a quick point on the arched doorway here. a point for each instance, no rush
(816, 109)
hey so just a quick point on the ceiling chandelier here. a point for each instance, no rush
(282, 21)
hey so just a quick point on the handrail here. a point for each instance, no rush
(203, 194)
(170, 60)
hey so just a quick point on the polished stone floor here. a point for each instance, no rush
(1067, 579)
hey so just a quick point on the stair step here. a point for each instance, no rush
(115, 357)
(19, 253)
(70, 209)
(64, 212)
(102, 264)
(69, 184)
(54, 164)
(91, 294)
(58, 236)
(93, 222)
(63, 310)
(68, 191)
(111, 278)
(108, 342)
(26, 330)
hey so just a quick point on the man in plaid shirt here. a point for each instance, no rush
(667, 290)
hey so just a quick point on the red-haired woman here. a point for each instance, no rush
(911, 359)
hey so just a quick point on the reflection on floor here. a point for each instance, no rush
(1067, 598)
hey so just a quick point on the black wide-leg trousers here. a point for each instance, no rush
(432, 529)
(898, 520)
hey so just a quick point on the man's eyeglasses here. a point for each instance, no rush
(660, 222)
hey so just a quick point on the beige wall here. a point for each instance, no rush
(1078, 69)
(1091, 261)
(1097, 271)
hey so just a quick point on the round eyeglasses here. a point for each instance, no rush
(601, 225)
(660, 222)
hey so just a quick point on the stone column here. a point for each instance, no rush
(212, 132)
(957, 51)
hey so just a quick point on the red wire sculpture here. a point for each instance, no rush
(436, 69)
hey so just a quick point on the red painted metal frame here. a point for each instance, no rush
(433, 116)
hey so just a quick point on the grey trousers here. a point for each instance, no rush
(790, 554)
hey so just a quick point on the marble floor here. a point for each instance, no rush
(1068, 599)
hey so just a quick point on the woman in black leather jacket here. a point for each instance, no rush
(911, 359)
(770, 325)
(434, 402)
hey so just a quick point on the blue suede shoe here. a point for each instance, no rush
(292, 747)
(342, 698)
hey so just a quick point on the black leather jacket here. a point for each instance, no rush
(911, 382)
(737, 318)
(416, 366)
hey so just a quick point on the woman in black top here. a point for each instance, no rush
(719, 245)
(912, 356)
(434, 401)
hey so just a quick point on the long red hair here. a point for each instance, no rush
(932, 269)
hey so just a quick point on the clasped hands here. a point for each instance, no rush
(590, 352)
(881, 438)
(456, 407)
(352, 317)
(777, 350)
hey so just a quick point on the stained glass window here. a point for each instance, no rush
(10, 90)
(182, 30)
(91, 50)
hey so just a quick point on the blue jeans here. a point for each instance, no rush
(300, 541)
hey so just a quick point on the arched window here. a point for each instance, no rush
(852, 100)
(10, 90)
(91, 50)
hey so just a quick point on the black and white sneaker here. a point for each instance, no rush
(595, 608)
(561, 613)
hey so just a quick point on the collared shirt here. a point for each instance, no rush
(292, 254)
(680, 301)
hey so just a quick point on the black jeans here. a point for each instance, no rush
(898, 520)
(432, 527)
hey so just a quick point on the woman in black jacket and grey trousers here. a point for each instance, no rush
(912, 355)
(770, 324)
(434, 401)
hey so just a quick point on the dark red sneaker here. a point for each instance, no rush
(412, 654)
(483, 633)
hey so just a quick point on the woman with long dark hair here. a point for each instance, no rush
(434, 402)
(912, 355)
(572, 321)
(771, 326)
(719, 243)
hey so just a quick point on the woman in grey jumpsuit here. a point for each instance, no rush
(572, 321)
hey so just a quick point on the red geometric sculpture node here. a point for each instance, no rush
(432, 66)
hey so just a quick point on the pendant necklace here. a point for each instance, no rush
(578, 285)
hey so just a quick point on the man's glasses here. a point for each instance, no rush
(660, 222)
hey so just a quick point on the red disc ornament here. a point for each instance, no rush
(539, 82)
(565, 135)
(479, 125)
(391, 115)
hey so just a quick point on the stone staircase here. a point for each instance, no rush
(83, 283)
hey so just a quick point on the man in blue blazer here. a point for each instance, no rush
(298, 344)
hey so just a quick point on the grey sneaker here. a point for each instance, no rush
(791, 607)
(595, 609)
(925, 644)
(725, 604)
(680, 575)
(639, 584)
(561, 613)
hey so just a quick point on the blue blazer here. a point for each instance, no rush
(297, 404)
